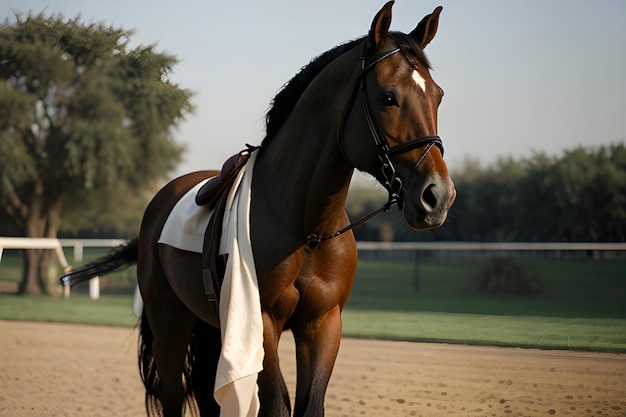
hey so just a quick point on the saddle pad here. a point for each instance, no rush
(241, 323)
(185, 226)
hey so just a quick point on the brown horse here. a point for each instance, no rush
(369, 104)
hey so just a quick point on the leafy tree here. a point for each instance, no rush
(81, 116)
(536, 200)
(578, 197)
(491, 201)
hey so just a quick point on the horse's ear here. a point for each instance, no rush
(426, 28)
(378, 31)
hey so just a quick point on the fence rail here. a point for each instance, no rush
(57, 245)
(34, 243)
(405, 251)
(494, 246)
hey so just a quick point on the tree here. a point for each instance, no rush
(578, 197)
(80, 114)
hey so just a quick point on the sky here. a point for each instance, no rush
(519, 76)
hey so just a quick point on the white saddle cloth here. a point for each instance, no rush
(241, 325)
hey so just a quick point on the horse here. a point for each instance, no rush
(368, 104)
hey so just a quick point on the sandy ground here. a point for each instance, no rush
(50, 370)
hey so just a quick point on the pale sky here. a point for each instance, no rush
(519, 76)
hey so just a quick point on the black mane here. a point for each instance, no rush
(289, 94)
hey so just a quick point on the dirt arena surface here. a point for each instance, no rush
(54, 370)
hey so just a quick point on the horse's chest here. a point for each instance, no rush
(291, 289)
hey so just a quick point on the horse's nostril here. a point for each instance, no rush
(428, 198)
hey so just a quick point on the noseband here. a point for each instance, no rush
(391, 181)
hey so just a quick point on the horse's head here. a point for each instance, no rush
(396, 95)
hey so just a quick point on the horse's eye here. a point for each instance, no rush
(388, 98)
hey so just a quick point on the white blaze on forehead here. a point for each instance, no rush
(419, 80)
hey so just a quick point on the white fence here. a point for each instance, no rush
(34, 243)
(57, 245)
(446, 250)
(78, 246)
(493, 246)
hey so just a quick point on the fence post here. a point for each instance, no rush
(94, 283)
(78, 257)
(94, 288)
(416, 271)
(1, 249)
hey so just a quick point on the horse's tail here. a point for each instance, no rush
(147, 367)
(197, 377)
(201, 366)
(118, 258)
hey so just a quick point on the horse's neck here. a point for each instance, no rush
(306, 181)
(302, 170)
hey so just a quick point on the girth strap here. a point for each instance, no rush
(215, 196)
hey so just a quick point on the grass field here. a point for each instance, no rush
(579, 288)
(582, 305)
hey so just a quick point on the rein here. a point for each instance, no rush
(315, 239)
(392, 183)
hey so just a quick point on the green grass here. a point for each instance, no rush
(608, 335)
(582, 305)
(109, 310)
(571, 289)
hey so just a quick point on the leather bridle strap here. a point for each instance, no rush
(416, 143)
(314, 239)
(392, 183)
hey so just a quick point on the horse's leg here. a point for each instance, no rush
(273, 393)
(205, 349)
(171, 324)
(316, 324)
(170, 321)
(317, 345)
(170, 349)
(184, 270)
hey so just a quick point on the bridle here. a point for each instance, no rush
(390, 180)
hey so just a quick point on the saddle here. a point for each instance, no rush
(214, 194)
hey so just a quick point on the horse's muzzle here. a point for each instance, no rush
(427, 200)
